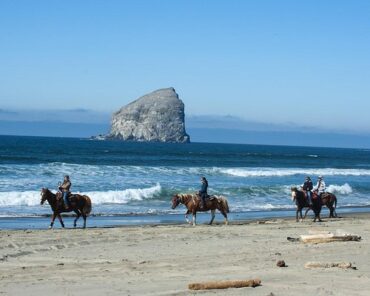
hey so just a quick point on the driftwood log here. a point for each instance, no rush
(225, 284)
(328, 237)
(343, 265)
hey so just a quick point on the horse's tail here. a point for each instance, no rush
(87, 206)
(224, 204)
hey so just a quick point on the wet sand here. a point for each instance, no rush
(163, 260)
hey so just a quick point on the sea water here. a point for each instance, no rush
(126, 179)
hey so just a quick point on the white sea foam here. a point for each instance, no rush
(124, 196)
(340, 189)
(32, 198)
(281, 172)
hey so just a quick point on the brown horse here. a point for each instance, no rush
(326, 199)
(192, 203)
(80, 204)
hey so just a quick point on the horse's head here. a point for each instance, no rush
(175, 201)
(44, 195)
(294, 191)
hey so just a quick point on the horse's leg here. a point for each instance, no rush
(194, 218)
(305, 214)
(84, 217)
(186, 216)
(77, 217)
(212, 216)
(296, 214)
(330, 206)
(225, 216)
(52, 221)
(60, 220)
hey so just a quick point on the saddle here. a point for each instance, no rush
(70, 196)
(208, 197)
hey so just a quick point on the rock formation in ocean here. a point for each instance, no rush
(156, 117)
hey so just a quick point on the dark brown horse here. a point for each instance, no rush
(192, 203)
(80, 204)
(326, 199)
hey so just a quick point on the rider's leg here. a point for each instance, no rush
(309, 196)
(65, 198)
(202, 201)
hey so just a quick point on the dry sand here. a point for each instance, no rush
(163, 260)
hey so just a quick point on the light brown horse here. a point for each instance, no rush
(80, 204)
(192, 203)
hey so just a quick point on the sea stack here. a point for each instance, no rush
(156, 117)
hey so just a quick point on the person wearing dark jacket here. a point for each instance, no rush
(203, 192)
(307, 188)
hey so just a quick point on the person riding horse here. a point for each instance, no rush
(65, 189)
(320, 187)
(203, 192)
(307, 188)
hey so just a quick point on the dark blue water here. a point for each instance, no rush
(140, 178)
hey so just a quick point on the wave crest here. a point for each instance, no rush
(32, 198)
(340, 189)
(281, 172)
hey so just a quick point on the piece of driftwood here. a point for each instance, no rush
(225, 284)
(328, 237)
(343, 265)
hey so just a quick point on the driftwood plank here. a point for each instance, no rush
(343, 265)
(225, 284)
(328, 237)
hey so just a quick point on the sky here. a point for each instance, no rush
(283, 62)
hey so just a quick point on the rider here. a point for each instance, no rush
(203, 192)
(320, 186)
(307, 187)
(65, 189)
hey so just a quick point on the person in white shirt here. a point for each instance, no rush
(320, 186)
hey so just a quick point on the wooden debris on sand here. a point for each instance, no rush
(225, 284)
(328, 237)
(343, 265)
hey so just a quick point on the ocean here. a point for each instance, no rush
(135, 181)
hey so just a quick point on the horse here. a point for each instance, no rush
(326, 199)
(192, 203)
(80, 204)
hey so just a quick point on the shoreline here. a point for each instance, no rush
(138, 220)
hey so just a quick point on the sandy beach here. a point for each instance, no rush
(163, 260)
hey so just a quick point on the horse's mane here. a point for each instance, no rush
(184, 195)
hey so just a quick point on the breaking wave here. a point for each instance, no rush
(340, 189)
(281, 172)
(32, 198)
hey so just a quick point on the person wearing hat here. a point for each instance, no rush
(320, 186)
(65, 189)
(307, 188)
(203, 192)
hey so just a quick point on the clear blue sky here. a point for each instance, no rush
(273, 61)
